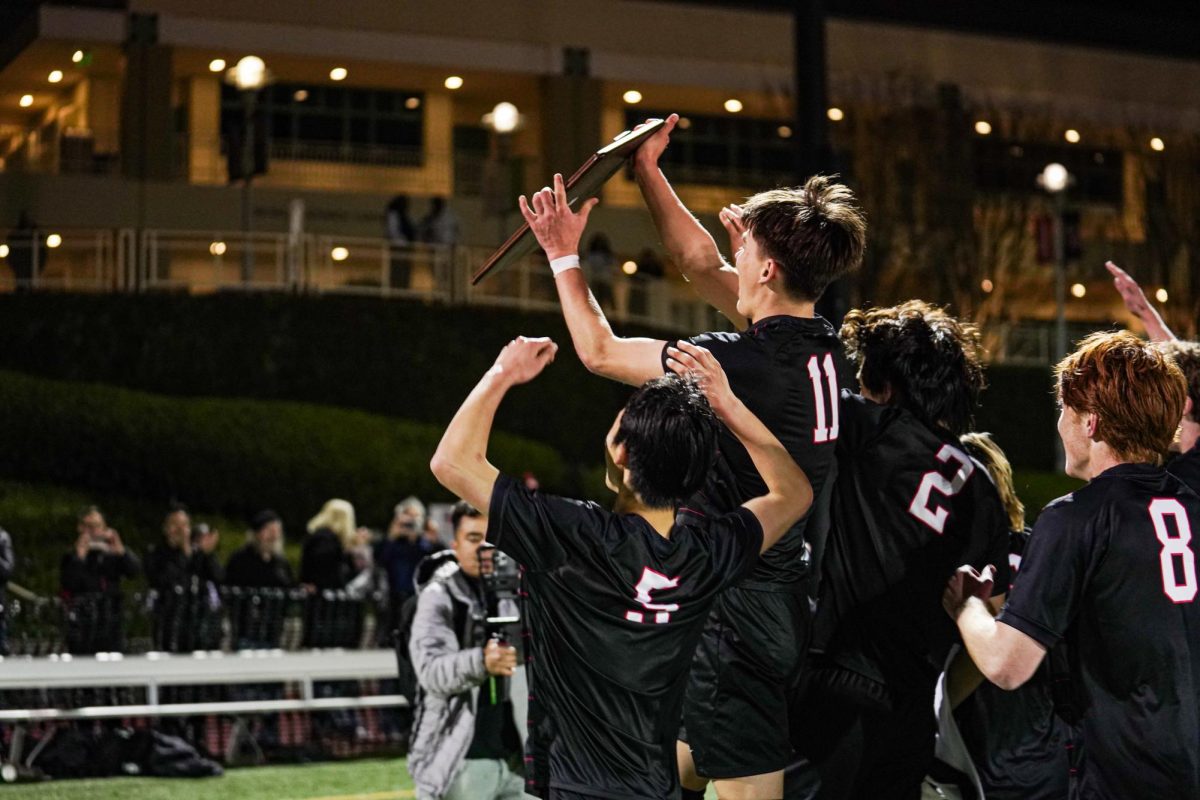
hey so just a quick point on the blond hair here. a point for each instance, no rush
(984, 448)
(338, 516)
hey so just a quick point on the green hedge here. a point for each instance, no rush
(403, 359)
(231, 456)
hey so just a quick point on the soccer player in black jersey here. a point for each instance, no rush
(1016, 743)
(786, 364)
(909, 506)
(618, 599)
(1112, 570)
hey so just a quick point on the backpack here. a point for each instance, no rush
(438, 566)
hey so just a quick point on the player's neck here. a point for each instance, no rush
(1101, 460)
(776, 305)
(661, 519)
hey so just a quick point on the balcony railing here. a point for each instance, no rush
(200, 262)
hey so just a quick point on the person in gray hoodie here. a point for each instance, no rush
(467, 744)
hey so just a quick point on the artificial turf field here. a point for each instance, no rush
(368, 779)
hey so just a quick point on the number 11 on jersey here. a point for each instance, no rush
(821, 433)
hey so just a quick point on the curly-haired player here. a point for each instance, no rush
(909, 506)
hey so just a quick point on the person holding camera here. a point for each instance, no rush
(90, 577)
(468, 735)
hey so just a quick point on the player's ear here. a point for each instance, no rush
(1188, 409)
(1092, 422)
(770, 271)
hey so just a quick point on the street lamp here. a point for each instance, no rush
(249, 75)
(1055, 179)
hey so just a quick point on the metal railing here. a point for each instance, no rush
(125, 260)
(197, 618)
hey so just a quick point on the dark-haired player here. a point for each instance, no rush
(909, 507)
(1111, 569)
(618, 599)
(786, 364)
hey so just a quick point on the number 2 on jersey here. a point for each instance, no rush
(1172, 546)
(821, 433)
(653, 582)
(935, 516)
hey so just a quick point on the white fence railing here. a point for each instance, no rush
(202, 262)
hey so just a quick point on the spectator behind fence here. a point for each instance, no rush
(90, 578)
(402, 550)
(185, 574)
(440, 225)
(324, 560)
(6, 572)
(401, 234)
(260, 564)
(467, 743)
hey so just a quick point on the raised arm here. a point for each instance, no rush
(1138, 305)
(558, 230)
(689, 244)
(460, 462)
(789, 494)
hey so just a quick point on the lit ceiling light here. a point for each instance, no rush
(339, 254)
(632, 97)
(77, 57)
(784, 132)
(835, 114)
(3, 251)
(53, 240)
(1161, 295)
(338, 74)
(300, 95)
(983, 127)
(987, 285)
(217, 248)
(412, 103)
(504, 118)
(55, 76)
(1054, 178)
(733, 106)
(217, 65)
(1078, 290)
(1157, 144)
(629, 267)
(684, 123)
(250, 73)
(26, 100)
(453, 82)
(1071, 135)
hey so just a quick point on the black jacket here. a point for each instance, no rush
(246, 567)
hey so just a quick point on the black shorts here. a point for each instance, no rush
(735, 713)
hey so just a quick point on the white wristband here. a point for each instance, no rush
(560, 265)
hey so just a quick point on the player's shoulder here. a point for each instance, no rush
(864, 422)
(1116, 487)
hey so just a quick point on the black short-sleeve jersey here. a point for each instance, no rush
(1018, 743)
(788, 371)
(1112, 570)
(613, 613)
(909, 508)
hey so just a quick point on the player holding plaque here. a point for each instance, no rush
(787, 365)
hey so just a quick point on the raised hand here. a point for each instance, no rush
(689, 360)
(558, 229)
(652, 149)
(731, 219)
(1131, 293)
(524, 358)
